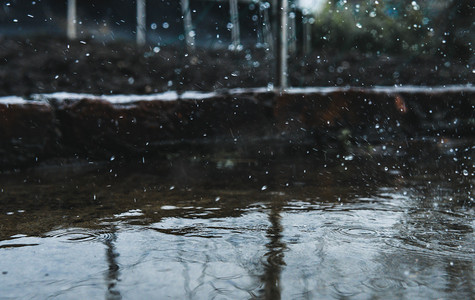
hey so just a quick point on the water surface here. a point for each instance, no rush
(388, 221)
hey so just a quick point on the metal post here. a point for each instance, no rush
(235, 30)
(292, 33)
(282, 44)
(141, 22)
(307, 35)
(189, 32)
(71, 19)
(268, 39)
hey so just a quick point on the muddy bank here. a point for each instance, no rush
(242, 121)
(46, 65)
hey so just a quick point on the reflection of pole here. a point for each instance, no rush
(275, 255)
(71, 26)
(235, 31)
(282, 44)
(189, 33)
(112, 276)
(141, 22)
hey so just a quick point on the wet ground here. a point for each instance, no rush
(379, 222)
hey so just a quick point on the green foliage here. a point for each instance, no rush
(385, 26)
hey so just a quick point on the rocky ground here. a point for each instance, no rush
(45, 65)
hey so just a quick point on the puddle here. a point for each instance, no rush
(325, 227)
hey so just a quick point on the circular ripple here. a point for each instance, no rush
(358, 232)
(78, 235)
(380, 284)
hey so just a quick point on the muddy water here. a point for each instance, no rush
(390, 221)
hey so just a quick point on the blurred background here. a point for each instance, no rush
(146, 46)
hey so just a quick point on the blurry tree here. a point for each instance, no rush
(404, 27)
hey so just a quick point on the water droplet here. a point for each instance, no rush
(264, 187)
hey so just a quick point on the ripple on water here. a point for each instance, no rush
(381, 284)
(80, 235)
(442, 235)
(359, 232)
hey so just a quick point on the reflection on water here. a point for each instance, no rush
(113, 267)
(382, 222)
(274, 261)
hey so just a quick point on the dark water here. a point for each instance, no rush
(391, 221)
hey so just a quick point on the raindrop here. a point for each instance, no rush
(112, 158)
(264, 187)
(465, 173)
(165, 25)
(359, 25)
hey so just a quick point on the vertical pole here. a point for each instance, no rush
(189, 33)
(307, 35)
(282, 44)
(235, 30)
(292, 33)
(141, 22)
(71, 19)
(268, 40)
(260, 28)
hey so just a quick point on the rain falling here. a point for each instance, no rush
(237, 149)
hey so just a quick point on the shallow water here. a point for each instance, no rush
(392, 221)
